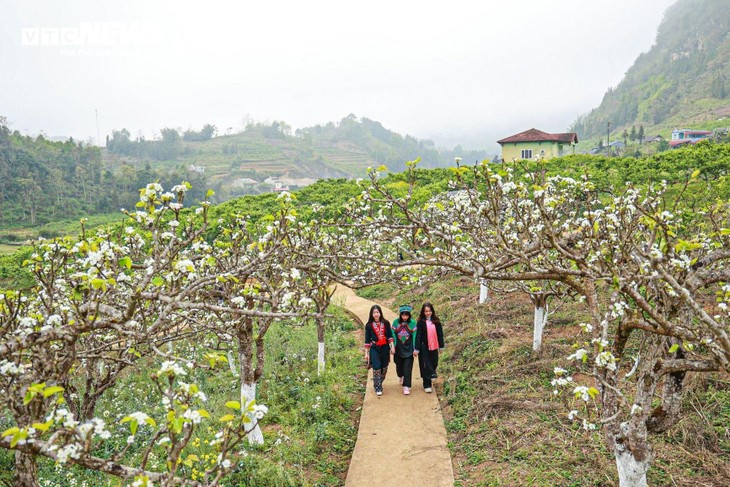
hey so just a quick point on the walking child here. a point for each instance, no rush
(404, 332)
(378, 346)
(430, 341)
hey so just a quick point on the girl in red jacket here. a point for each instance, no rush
(378, 346)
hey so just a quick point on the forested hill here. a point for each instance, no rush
(683, 81)
(337, 149)
(43, 181)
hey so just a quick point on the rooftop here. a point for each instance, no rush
(534, 135)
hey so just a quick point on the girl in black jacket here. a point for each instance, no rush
(378, 346)
(429, 341)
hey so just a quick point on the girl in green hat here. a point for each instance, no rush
(404, 334)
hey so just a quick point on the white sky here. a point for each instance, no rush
(459, 72)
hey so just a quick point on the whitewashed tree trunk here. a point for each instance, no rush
(483, 292)
(232, 364)
(631, 472)
(248, 394)
(320, 358)
(320, 338)
(539, 322)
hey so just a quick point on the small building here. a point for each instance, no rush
(686, 136)
(244, 182)
(198, 169)
(279, 187)
(655, 138)
(536, 144)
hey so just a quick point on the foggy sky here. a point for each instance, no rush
(457, 72)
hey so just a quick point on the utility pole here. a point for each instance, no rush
(608, 138)
(98, 140)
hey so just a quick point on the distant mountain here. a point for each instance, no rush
(684, 80)
(342, 149)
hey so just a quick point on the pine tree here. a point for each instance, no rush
(641, 134)
(632, 135)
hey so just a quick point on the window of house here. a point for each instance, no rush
(527, 153)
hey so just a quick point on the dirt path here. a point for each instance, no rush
(401, 440)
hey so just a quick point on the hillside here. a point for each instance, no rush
(504, 425)
(343, 149)
(43, 181)
(683, 81)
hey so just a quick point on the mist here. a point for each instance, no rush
(464, 73)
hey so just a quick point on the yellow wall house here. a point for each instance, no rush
(536, 144)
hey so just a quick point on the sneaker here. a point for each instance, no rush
(400, 380)
(428, 389)
(380, 393)
(406, 391)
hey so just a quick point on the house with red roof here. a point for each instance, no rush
(536, 144)
(686, 136)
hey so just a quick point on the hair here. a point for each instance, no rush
(422, 315)
(382, 317)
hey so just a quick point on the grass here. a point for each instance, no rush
(505, 427)
(8, 249)
(309, 432)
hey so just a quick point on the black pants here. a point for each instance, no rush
(404, 368)
(379, 359)
(428, 361)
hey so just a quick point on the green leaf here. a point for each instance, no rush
(178, 424)
(593, 392)
(151, 422)
(28, 397)
(226, 418)
(133, 426)
(158, 281)
(209, 193)
(20, 435)
(10, 431)
(204, 413)
(49, 391)
(43, 426)
(125, 262)
(98, 284)
(683, 245)
(381, 168)
(674, 348)
(233, 405)
(695, 174)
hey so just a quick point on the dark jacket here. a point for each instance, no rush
(422, 335)
(371, 337)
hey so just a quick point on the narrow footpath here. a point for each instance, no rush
(401, 440)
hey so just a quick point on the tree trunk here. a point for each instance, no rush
(248, 376)
(483, 292)
(26, 470)
(248, 394)
(539, 321)
(631, 472)
(320, 346)
(232, 364)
